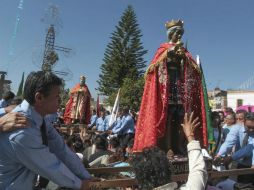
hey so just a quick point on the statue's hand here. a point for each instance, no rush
(172, 49)
(171, 55)
(176, 52)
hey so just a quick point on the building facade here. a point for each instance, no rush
(219, 99)
(236, 98)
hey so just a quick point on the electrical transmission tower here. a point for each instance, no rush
(247, 84)
(50, 56)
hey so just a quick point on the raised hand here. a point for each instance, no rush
(189, 125)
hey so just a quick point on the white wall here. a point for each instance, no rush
(247, 97)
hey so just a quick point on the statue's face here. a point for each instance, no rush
(82, 80)
(176, 35)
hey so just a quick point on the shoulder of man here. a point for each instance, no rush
(238, 127)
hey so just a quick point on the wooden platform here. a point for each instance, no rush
(181, 165)
(129, 182)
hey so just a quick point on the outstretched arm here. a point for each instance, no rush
(197, 170)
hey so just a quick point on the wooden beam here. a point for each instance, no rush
(114, 183)
(180, 177)
(109, 169)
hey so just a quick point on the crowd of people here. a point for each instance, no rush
(53, 158)
(35, 155)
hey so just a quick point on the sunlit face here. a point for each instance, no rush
(50, 103)
(229, 120)
(240, 118)
(102, 114)
(216, 122)
(249, 126)
(221, 117)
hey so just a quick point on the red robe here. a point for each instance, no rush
(84, 112)
(151, 124)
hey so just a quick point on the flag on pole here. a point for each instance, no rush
(115, 109)
(98, 106)
(207, 107)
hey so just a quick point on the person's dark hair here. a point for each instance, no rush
(151, 167)
(215, 115)
(16, 101)
(241, 111)
(8, 95)
(130, 143)
(87, 143)
(102, 111)
(100, 142)
(117, 156)
(232, 114)
(78, 146)
(125, 109)
(114, 142)
(221, 113)
(249, 116)
(69, 141)
(42, 82)
(229, 110)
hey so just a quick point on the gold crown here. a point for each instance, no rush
(172, 23)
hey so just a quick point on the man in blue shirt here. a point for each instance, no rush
(242, 137)
(107, 119)
(39, 149)
(125, 128)
(7, 98)
(93, 120)
(5, 103)
(101, 122)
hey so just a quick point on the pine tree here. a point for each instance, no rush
(123, 57)
(21, 84)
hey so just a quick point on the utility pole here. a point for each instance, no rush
(50, 56)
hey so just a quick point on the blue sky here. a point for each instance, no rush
(220, 31)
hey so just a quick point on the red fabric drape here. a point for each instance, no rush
(153, 110)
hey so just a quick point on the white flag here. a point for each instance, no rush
(115, 109)
(198, 60)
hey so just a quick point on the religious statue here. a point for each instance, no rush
(77, 108)
(173, 86)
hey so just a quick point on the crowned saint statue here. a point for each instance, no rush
(173, 86)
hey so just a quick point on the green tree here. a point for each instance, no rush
(21, 84)
(131, 93)
(123, 57)
(64, 95)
